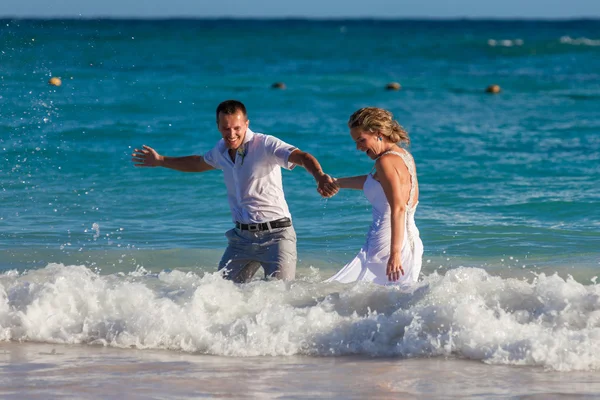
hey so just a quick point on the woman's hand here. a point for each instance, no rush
(327, 186)
(394, 267)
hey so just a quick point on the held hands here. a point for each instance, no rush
(327, 186)
(147, 157)
(394, 267)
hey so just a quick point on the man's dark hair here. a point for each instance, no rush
(230, 107)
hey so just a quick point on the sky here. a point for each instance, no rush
(303, 9)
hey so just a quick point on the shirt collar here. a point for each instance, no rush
(248, 137)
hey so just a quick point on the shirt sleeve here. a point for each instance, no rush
(279, 151)
(212, 157)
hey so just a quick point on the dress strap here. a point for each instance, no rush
(412, 170)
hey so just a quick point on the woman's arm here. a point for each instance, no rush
(393, 182)
(351, 182)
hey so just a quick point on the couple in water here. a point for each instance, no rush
(264, 236)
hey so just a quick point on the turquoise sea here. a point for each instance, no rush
(96, 252)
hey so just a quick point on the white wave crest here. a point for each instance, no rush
(550, 321)
(505, 42)
(579, 41)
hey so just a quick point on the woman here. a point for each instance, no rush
(393, 250)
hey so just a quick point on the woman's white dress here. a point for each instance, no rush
(370, 263)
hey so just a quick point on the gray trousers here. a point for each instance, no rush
(247, 251)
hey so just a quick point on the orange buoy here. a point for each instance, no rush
(54, 81)
(393, 86)
(493, 89)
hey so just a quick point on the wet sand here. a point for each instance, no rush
(42, 371)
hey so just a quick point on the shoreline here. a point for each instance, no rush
(35, 369)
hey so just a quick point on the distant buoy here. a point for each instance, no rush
(393, 86)
(54, 81)
(278, 85)
(493, 89)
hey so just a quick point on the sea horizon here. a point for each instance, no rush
(300, 18)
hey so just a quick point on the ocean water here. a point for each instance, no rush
(96, 252)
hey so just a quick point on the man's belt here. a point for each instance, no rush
(265, 226)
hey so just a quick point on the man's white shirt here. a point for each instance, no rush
(253, 181)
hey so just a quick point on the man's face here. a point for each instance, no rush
(233, 129)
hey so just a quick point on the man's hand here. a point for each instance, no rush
(147, 157)
(326, 186)
(324, 181)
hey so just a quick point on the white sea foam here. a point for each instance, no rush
(505, 42)
(549, 321)
(582, 41)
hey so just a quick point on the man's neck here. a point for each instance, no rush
(232, 154)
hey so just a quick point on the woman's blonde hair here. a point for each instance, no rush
(374, 119)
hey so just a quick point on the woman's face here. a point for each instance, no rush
(366, 141)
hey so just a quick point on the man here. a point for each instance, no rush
(251, 164)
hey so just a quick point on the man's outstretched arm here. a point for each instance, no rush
(148, 157)
(310, 163)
